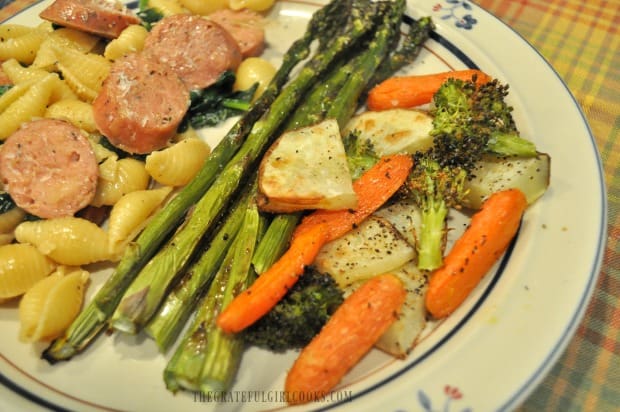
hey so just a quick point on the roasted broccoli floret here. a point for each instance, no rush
(360, 153)
(435, 189)
(299, 316)
(470, 120)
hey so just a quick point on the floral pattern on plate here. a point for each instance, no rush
(458, 11)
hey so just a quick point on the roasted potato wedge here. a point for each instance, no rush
(394, 131)
(493, 173)
(403, 334)
(306, 169)
(405, 216)
(374, 247)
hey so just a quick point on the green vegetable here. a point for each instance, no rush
(435, 189)
(469, 121)
(181, 301)
(218, 102)
(6, 202)
(361, 154)
(4, 88)
(299, 316)
(207, 358)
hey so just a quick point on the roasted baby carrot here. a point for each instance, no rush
(488, 235)
(346, 337)
(251, 304)
(373, 189)
(411, 91)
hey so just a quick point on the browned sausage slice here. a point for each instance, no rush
(197, 49)
(246, 26)
(100, 17)
(140, 105)
(49, 168)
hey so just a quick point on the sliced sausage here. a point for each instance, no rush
(197, 49)
(140, 105)
(246, 26)
(49, 168)
(100, 17)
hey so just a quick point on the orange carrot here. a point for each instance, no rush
(490, 231)
(347, 336)
(251, 304)
(373, 189)
(411, 91)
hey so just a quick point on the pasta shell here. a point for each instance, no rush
(84, 73)
(11, 31)
(67, 240)
(177, 164)
(77, 112)
(21, 266)
(22, 48)
(118, 177)
(130, 40)
(130, 214)
(204, 7)
(168, 7)
(28, 106)
(50, 306)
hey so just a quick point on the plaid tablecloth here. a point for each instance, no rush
(581, 40)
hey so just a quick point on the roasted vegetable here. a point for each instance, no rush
(394, 131)
(306, 168)
(360, 153)
(300, 315)
(494, 173)
(471, 120)
(374, 247)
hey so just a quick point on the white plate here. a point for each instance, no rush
(489, 355)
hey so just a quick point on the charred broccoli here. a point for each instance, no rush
(470, 120)
(435, 189)
(361, 154)
(299, 316)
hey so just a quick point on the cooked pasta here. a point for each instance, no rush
(22, 48)
(83, 72)
(176, 165)
(11, 31)
(25, 77)
(10, 96)
(130, 40)
(66, 240)
(21, 266)
(168, 7)
(204, 7)
(76, 39)
(130, 214)
(75, 111)
(49, 307)
(102, 153)
(31, 104)
(118, 177)
(254, 70)
(256, 5)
